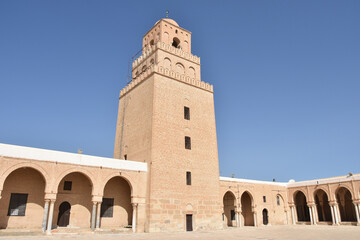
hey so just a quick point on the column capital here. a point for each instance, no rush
(356, 201)
(134, 204)
(96, 198)
(50, 196)
(333, 203)
(291, 205)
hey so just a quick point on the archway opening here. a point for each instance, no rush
(346, 206)
(322, 206)
(229, 202)
(302, 208)
(22, 202)
(246, 209)
(265, 216)
(176, 42)
(116, 208)
(74, 189)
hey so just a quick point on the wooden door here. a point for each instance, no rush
(265, 217)
(189, 224)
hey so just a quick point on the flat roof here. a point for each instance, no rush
(39, 154)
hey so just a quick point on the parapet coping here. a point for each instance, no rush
(38, 154)
(252, 181)
(291, 184)
(339, 179)
(161, 45)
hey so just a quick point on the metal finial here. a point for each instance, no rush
(167, 14)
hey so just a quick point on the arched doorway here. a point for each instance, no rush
(322, 205)
(346, 206)
(64, 214)
(246, 209)
(265, 216)
(22, 202)
(229, 202)
(302, 209)
(75, 189)
(116, 208)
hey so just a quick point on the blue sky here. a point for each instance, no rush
(286, 78)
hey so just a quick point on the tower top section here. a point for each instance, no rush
(168, 31)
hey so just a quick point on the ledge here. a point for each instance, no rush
(166, 72)
(38, 154)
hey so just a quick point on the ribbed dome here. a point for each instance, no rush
(168, 20)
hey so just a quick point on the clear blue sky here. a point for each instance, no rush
(286, 76)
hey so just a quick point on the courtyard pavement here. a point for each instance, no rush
(245, 233)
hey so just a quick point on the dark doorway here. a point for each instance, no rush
(189, 225)
(346, 206)
(64, 214)
(322, 206)
(301, 207)
(265, 216)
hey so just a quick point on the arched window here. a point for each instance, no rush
(166, 37)
(144, 68)
(185, 46)
(191, 72)
(167, 63)
(180, 68)
(152, 42)
(152, 61)
(176, 42)
(278, 200)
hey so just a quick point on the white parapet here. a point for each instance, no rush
(252, 181)
(38, 154)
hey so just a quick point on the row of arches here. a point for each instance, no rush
(23, 202)
(324, 211)
(179, 67)
(246, 215)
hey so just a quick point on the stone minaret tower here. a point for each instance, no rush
(166, 118)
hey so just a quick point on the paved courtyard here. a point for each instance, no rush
(247, 233)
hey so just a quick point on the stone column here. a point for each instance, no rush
(311, 217)
(333, 214)
(255, 220)
(98, 215)
(45, 216)
(286, 217)
(336, 212)
(357, 212)
(315, 220)
(238, 219)
(51, 213)
(93, 216)
(293, 214)
(133, 224)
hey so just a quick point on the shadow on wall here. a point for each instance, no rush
(78, 196)
(27, 205)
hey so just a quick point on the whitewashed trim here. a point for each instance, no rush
(38, 154)
(325, 181)
(252, 181)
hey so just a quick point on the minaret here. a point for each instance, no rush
(166, 118)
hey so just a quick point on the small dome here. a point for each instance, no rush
(168, 20)
(291, 181)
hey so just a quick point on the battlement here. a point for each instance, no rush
(160, 45)
(169, 73)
